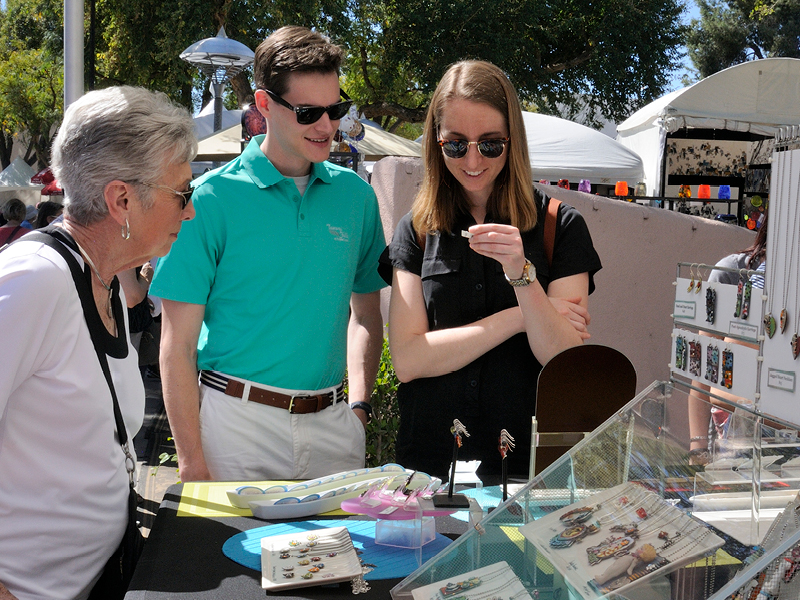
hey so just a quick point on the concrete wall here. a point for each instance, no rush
(639, 246)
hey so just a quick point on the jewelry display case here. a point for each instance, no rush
(630, 512)
(637, 455)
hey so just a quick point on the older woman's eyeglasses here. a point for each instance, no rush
(487, 148)
(186, 196)
(306, 115)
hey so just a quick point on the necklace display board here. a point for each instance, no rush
(779, 385)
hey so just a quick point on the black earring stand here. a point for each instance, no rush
(451, 500)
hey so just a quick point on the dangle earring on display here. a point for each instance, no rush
(691, 283)
(711, 305)
(739, 295)
(727, 368)
(126, 231)
(699, 284)
(748, 292)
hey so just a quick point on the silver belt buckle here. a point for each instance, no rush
(292, 399)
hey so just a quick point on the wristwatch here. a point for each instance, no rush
(528, 275)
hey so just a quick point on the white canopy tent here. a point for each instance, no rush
(377, 143)
(562, 149)
(15, 182)
(204, 121)
(757, 97)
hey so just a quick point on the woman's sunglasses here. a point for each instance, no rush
(487, 148)
(306, 115)
(186, 196)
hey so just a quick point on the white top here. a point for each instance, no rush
(63, 484)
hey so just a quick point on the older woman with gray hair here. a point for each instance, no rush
(70, 390)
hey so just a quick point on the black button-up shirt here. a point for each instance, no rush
(498, 390)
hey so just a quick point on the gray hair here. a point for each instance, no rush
(125, 133)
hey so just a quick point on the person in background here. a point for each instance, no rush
(14, 214)
(122, 155)
(30, 216)
(49, 211)
(270, 310)
(476, 309)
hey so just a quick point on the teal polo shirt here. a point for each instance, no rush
(275, 270)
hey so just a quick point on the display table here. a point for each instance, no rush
(183, 558)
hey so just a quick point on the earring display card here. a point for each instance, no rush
(729, 319)
(317, 557)
(497, 580)
(619, 538)
(726, 366)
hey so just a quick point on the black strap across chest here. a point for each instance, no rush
(97, 330)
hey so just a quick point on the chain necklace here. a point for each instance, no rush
(769, 320)
(793, 224)
(109, 289)
(796, 223)
(682, 548)
(453, 588)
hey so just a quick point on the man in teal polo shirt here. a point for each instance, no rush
(274, 290)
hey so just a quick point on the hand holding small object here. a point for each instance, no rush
(500, 242)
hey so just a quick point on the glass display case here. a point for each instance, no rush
(625, 514)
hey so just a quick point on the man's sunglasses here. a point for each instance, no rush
(459, 148)
(186, 196)
(306, 115)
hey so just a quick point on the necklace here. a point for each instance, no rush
(769, 320)
(453, 588)
(100, 279)
(790, 223)
(795, 224)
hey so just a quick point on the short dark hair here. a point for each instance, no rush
(14, 210)
(293, 49)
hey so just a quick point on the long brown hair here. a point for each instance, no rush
(440, 198)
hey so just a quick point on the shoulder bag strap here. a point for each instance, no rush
(84, 289)
(550, 222)
(10, 237)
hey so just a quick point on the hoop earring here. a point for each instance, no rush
(126, 231)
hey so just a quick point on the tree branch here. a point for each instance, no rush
(756, 50)
(557, 67)
(403, 113)
(363, 52)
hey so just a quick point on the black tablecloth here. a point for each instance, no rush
(183, 559)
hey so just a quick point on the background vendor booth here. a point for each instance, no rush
(15, 182)
(718, 131)
(562, 149)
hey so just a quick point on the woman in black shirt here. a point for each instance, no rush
(476, 308)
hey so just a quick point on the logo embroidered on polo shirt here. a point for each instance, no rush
(338, 234)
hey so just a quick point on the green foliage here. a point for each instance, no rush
(614, 55)
(382, 429)
(31, 78)
(730, 32)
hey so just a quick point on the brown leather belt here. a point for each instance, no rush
(296, 405)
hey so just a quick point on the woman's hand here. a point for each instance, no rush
(572, 310)
(502, 243)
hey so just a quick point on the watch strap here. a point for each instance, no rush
(365, 406)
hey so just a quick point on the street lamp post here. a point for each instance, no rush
(219, 58)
